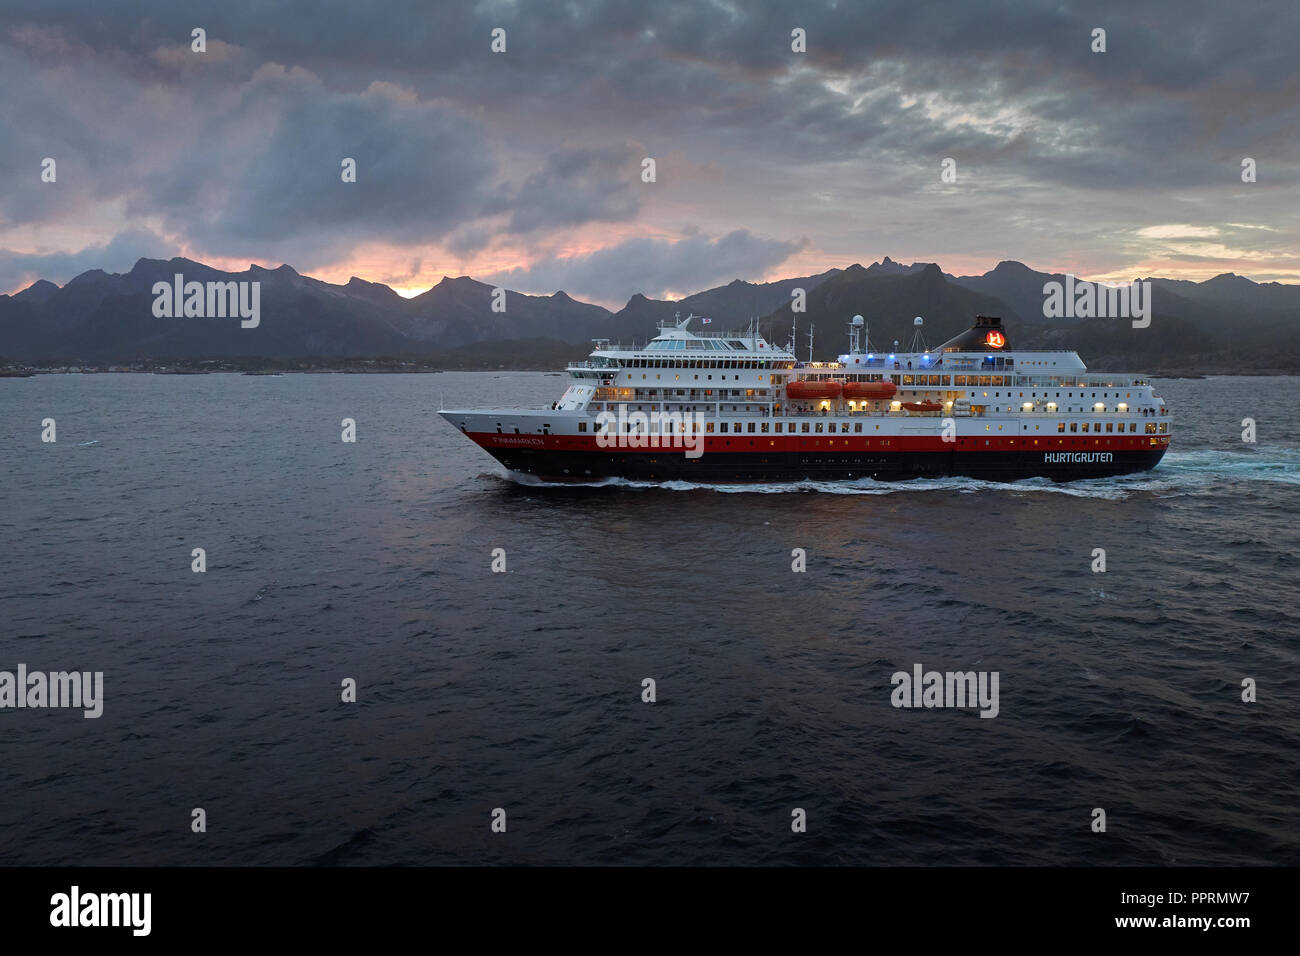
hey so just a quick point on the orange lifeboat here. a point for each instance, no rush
(922, 406)
(872, 390)
(802, 389)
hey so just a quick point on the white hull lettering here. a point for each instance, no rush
(1075, 457)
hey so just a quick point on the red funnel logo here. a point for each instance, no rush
(995, 340)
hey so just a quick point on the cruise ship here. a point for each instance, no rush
(734, 407)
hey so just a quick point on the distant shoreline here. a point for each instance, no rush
(16, 371)
(205, 368)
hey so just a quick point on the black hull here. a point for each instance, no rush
(718, 468)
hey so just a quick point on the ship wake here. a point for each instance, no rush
(1195, 472)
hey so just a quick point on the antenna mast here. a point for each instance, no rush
(918, 339)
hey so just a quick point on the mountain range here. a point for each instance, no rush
(1225, 324)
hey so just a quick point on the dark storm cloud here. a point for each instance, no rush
(576, 186)
(243, 148)
(1164, 46)
(653, 267)
(278, 158)
(117, 255)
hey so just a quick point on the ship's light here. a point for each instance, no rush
(1028, 406)
(870, 356)
(895, 406)
(1051, 405)
(1122, 406)
(1099, 406)
(825, 405)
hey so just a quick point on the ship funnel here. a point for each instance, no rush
(987, 334)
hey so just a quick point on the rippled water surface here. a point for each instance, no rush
(522, 690)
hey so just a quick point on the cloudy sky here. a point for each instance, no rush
(525, 167)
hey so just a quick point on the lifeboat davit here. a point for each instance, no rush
(802, 389)
(874, 390)
(922, 406)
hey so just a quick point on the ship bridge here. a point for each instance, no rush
(676, 343)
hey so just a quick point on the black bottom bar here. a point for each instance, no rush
(923, 908)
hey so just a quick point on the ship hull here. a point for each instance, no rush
(731, 467)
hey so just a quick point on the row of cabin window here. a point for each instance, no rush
(700, 363)
(824, 427)
(1096, 427)
(1152, 428)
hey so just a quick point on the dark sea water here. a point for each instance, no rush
(522, 690)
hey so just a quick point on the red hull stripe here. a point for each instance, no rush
(837, 443)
